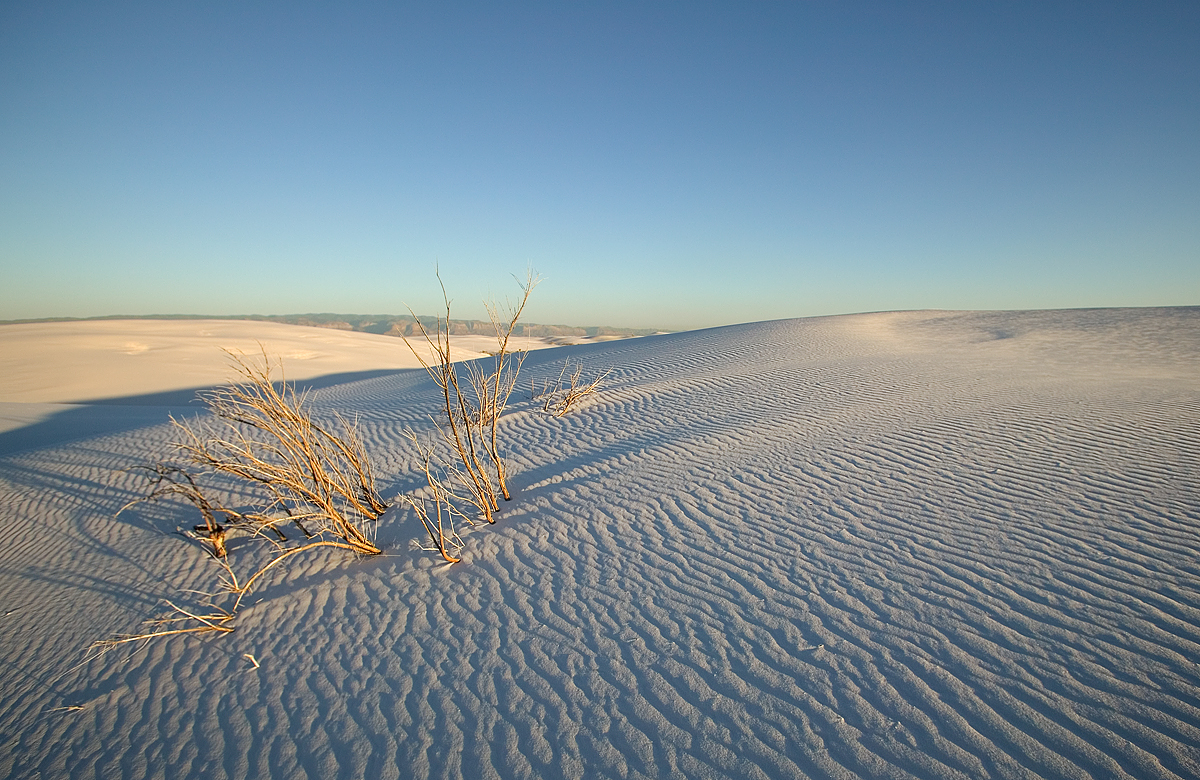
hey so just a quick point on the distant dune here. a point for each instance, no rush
(88, 360)
(899, 545)
(387, 325)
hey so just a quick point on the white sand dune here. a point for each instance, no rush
(90, 360)
(932, 545)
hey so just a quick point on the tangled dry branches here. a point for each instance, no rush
(319, 478)
(567, 391)
(472, 409)
(315, 476)
(439, 525)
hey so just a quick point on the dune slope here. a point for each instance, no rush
(932, 544)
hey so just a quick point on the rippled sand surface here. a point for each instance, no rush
(924, 544)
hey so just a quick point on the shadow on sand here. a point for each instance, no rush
(87, 419)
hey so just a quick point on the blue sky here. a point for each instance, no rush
(662, 164)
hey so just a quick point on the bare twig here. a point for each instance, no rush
(472, 418)
(440, 526)
(568, 391)
(207, 623)
(168, 480)
(504, 378)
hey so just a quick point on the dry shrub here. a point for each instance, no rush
(314, 476)
(564, 394)
(472, 408)
(319, 477)
(440, 524)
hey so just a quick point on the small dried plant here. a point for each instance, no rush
(440, 524)
(472, 408)
(301, 471)
(319, 477)
(565, 393)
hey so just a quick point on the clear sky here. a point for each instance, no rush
(662, 164)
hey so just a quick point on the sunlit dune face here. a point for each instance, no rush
(72, 362)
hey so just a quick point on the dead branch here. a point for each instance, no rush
(167, 480)
(568, 390)
(463, 432)
(207, 623)
(504, 377)
(268, 437)
(472, 407)
(317, 475)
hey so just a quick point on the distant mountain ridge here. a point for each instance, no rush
(383, 324)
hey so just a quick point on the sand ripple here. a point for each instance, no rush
(933, 545)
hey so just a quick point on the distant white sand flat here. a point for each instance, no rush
(901, 545)
(73, 362)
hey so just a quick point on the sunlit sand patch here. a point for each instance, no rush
(71, 362)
